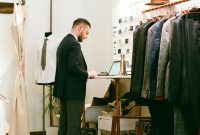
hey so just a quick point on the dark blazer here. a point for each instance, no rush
(154, 54)
(138, 54)
(177, 93)
(146, 80)
(71, 70)
(184, 73)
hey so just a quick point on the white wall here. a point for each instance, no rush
(97, 49)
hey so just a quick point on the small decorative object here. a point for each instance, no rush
(119, 31)
(131, 18)
(125, 19)
(131, 28)
(125, 29)
(126, 41)
(119, 51)
(123, 65)
(127, 51)
(120, 20)
(119, 41)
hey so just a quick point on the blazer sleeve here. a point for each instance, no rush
(76, 62)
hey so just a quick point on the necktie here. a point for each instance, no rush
(43, 58)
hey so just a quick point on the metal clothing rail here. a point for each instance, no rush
(48, 85)
(164, 6)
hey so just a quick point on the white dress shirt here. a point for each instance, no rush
(48, 74)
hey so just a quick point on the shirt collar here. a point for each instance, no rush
(74, 36)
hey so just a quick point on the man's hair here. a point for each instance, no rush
(79, 21)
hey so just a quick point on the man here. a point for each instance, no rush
(71, 77)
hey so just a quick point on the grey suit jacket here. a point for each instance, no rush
(146, 82)
(154, 54)
(164, 59)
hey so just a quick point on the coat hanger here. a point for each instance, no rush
(168, 12)
(46, 34)
(144, 16)
(22, 2)
(194, 14)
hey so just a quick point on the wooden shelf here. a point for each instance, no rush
(165, 5)
(157, 2)
(6, 8)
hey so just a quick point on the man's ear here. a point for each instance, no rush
(81, 28)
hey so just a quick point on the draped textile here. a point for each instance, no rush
(3, 123)
(19, 124)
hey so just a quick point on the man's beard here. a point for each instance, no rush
(80, 39)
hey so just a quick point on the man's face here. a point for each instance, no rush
(84, 31)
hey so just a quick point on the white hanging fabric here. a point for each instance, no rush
(19, 124)
(3, 123)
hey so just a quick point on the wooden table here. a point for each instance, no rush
(116, 131)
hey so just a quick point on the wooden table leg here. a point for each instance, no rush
(83, 120)
(116, 120)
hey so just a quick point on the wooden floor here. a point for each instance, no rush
(36, 133)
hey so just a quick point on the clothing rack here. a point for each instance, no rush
(164, 6)
(48, 85)
(194, 4)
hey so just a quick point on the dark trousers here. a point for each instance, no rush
(162, 117)
(70, 118)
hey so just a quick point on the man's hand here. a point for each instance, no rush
(92, 74)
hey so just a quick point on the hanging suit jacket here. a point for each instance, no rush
(134, 54)
(184, 68)
(177, 71)
(154, 52)
(146, 81)
(139, 54)
(71, 71)
(192, 51)
(164, 59)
